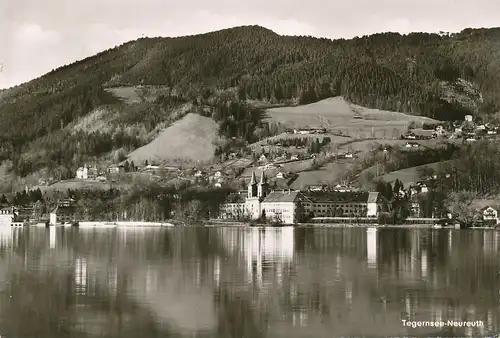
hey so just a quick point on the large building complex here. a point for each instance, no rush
(289, 207)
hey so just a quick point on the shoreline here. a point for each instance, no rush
(232, 224)
(110, 224)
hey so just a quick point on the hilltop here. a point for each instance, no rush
(124, 97)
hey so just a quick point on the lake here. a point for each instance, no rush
(247, 282)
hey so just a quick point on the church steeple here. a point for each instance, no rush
(263, 178)
(263, 186)
(252, 186)
(254, 179)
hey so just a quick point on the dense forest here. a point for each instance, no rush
(387, 71)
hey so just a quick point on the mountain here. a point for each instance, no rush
(131, 91)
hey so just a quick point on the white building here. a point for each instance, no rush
(82, 173)
(260, 202)
(490, 215)
(8, 216)
(281, 175)
(468, 118)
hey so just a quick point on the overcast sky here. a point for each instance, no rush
(39, 35)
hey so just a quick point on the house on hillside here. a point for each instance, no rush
(412, 145)
(342, 188)
(115, 169)
(264, 157)
(82, 173)
(320, 187)
(199, 173)
(281, 175)
(67, 202)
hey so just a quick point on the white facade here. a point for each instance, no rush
(7, 216)
(490, 214)
(372, 209)
(280, 211)
(53, 218)
(82, 173)
(468, 118)
(6, 219)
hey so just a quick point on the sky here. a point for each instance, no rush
(37, 36)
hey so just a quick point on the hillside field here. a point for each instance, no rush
(191, 138)
(338, 116)
(410, 175)
(330, 173)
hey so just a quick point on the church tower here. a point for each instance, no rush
(252, 186)
(263, 187)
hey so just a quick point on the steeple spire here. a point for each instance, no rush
(254, 179)
(263, 178)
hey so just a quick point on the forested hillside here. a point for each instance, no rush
(386, 71)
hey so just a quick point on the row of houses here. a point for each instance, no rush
(92, 172)
(292, 206)
(306, 131)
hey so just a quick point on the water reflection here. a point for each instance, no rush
(371, 247)
(235, 282)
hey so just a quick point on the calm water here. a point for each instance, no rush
(230, 282)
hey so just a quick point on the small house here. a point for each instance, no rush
(490, 215)
(115, 169)
(282, 175)
(349, 155)
(316, 188)
(82, 173)
(263, 157)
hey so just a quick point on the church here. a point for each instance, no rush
(290, 207)
(260, 202)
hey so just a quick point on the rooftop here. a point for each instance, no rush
(338, 196)
(283, 196)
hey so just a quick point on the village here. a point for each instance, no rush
(278, 161)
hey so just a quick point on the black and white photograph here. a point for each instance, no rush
(249, 169)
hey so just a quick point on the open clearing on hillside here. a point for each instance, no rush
(191, 138)
(138, 94)
(337, 114)
(293, 166)
(410, 175)
(126, 94)
(328, 174)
